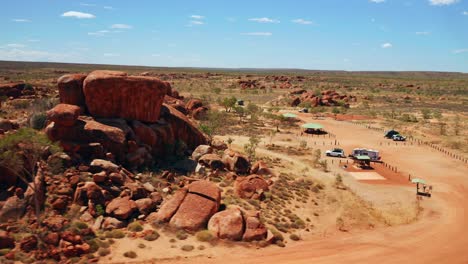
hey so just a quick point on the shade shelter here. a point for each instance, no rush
(313, 128)
(289, 115)
(363, 160)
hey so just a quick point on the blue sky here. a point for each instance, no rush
(398, 35)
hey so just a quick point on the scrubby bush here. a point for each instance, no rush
(294, 237)
(181, 235)
(187, 247)
(152, 236)
(135, 227)
(114, 234)
(205, 236)
(130, 254)
(38, 120)
(103, 252)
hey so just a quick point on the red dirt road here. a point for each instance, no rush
(440, 236)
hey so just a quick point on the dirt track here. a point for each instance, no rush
(440, 236)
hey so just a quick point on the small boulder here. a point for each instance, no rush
(64, 114)
(254, 229)
(169, 207)
(121, 208)
(111, 223)
(100, 165)
(260, 168)
(250, 187)
(227, 224)
(236, 162)
(6, 241)
(218, 144)
(146, 205)
(212, 161)
(29, 243)
(200, 151)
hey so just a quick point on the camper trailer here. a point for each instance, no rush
(373, 154)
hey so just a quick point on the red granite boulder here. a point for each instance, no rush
(250, 187)
(115, 95)
(227, 224)
(71, 89)
(64, 114)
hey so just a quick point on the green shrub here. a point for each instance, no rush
(135, 227)
(114, 234)
(4, 251)
(130, 254)
(205, 236)
(141, 245)
(181, 235)
(80, 225)
(38, 120)
(187, 247)
(152, 236)
(103, 252)
(294, 237)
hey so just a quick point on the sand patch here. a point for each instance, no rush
(367, 175)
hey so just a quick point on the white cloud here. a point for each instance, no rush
(15, 45)
(377, 1)
(265, 34)
(465, 13)
(197, 17)
(121, 26)
(425, 33)
(111, 55)
(196, 22)
(302, 21)
(443, 2)
(78, 15)
(21, 20)
(386, 45)
(86, 4)
(35, 55)
(264, 20)
(458, 51)
(108, 7)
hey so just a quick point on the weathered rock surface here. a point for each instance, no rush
(64, 114)
(227, 224)
(71, 90)
(260, 168)
(236, 162)
(128, 97)
(254, 229)
(201, 202)
(6, 241)
(212, 161)
(121, 208)
(169, 207)
(200, 151)
(250, 187)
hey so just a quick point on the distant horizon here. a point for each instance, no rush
(358, 35)
(233, 69)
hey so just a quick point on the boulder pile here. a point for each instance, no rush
(326, 98)
(15, 90)
(108, 114)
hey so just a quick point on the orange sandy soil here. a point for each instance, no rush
(438, 237)
(391, 177)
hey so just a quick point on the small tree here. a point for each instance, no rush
(240, 112)
(21, 153)
(457, 125)
(228, 103)
(253, 110)
(251, 147)
(212, 122)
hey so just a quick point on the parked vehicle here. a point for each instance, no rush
(398, 137)
(371, 153)
(304, 110)
(391, 133)
(336, 152)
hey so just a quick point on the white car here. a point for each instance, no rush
(336, 152)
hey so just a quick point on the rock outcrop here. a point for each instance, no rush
(128, 97)
(251, 187)
(127, 119)
(227, 224)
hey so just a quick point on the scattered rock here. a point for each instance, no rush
(212, 161)
(227, 224)
(250, 187)
(64, 114)
(200, 151)
(121, 208)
